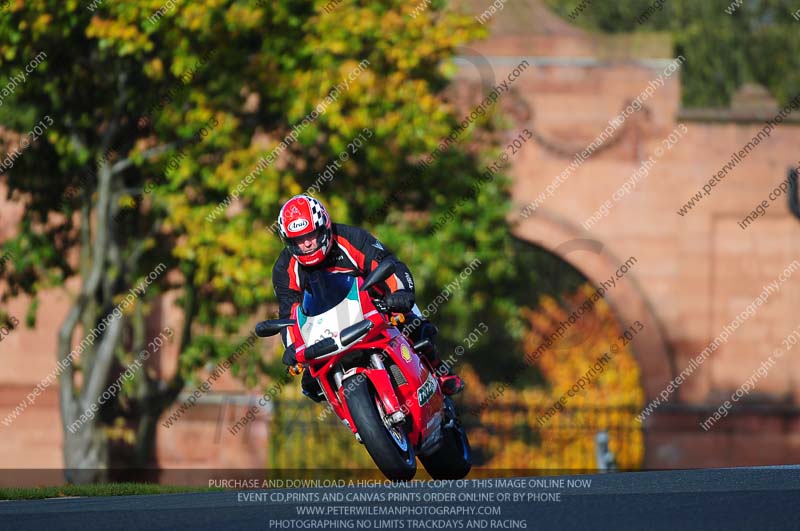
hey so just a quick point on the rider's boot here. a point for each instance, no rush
(449, 382)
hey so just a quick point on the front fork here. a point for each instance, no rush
(395, 415)
(379, 378)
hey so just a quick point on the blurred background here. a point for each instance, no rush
(543, 167)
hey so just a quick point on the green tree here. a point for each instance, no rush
(159, 116)
(756, 42)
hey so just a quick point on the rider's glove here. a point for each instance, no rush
(401, 301)
(380, 305)
(288, 356)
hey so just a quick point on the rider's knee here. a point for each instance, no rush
(428, 330)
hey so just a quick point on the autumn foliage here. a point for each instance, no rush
(514, 431)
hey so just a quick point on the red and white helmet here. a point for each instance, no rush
(303, 217)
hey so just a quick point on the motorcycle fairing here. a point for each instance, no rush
(328, 324)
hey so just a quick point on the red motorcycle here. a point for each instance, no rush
(373, 378)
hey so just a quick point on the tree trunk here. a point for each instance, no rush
(145, 448)
(106, 267)
(86, 456)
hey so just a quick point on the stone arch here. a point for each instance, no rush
(597, 263)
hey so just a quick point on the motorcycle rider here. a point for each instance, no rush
(312, 243)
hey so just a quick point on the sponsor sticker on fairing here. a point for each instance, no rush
(426, 390)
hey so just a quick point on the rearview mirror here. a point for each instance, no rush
(384, 270)
(272, 327)
(353, 332)
(321, 348)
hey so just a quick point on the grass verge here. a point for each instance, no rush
(104, 489)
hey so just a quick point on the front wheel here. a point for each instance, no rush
(453, 459)
(387, 444)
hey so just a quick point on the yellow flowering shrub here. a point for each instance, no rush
(521, 428)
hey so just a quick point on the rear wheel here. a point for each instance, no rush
(453, 459)
(387, 444)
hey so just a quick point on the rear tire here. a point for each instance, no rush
(453, 459)
(388, 446)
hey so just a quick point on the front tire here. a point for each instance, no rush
(453, 459)
(388, 445)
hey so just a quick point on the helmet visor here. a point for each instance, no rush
(307, 243)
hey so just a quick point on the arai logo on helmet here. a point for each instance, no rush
(297, 225)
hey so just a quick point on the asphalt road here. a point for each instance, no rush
(726, 499)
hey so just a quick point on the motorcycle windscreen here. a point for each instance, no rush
(329, 306)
